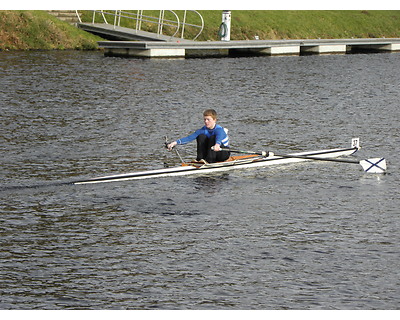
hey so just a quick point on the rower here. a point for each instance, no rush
(210, 139)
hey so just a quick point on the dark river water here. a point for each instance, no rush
(303, 236)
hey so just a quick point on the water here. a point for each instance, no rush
(302, 236)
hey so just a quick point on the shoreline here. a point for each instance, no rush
(24, 30)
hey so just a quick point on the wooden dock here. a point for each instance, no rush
(197, 49)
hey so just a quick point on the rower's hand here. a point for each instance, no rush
(171, 145)
(217, 147)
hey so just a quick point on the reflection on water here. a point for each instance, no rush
(301, 236)
(211, 183)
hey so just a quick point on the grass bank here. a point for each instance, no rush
(283, 24)
(38, 30)
(335, 24)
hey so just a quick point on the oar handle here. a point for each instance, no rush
(177, 152)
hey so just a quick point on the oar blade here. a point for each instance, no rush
(374, 165)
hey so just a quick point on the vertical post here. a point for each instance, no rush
(225, 27)
(139, 20)
(160, 22)
(79, 17)
(115, 18)
(183, 24)
(119, 18)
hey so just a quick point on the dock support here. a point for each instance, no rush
(324, 49)
(374, 48)
(188, 49)
(145, 53)
(282, 50)
(212, 53)
(395, 47)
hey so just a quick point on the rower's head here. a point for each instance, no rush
(210, 113)
(210, 118)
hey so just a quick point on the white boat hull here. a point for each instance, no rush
(240, 163)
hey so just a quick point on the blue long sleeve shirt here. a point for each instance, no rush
(221, 135)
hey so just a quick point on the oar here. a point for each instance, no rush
(166, 146)
(374, 165)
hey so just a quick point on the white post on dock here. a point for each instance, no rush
(225, 27)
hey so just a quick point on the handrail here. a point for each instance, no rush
(160, 21)
(192, 25)
(102, 14)
(139, 17)
(78, 15)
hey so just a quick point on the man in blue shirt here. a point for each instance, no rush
(210, 135)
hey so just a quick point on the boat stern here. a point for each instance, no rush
(355, 143)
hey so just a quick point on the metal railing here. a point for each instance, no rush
(184, 23)
(161, 22)
(78, 15)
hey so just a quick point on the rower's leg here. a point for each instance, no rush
(204, 151)
(213, 156)
(202, 144)
(223, 155)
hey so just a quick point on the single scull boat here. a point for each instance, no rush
(249, 161)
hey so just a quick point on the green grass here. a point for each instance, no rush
(287, 24)
(38, 30)
(311, 24)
